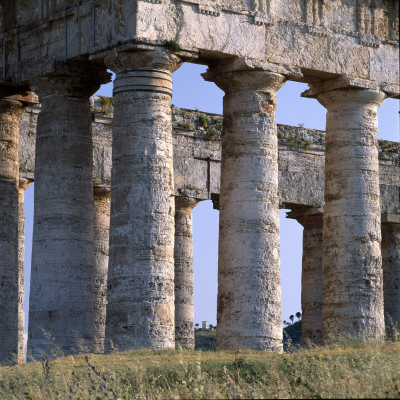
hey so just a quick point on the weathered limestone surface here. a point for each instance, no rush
(23, 185)
(101, 227)
(311, 274)
(10, 279)
(352, 281)
(349, 44)
(355, 38)
(249, 293)
(140, 309)
(61, 297)
(183, 256)
(197, 157)
(391, 269)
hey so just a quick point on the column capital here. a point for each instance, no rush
(185, 203)
(308, 217)
(143, 71)
(347, 90)
(157, 59)
(24, 183)
(102, 191)
(217, 71)
(11, 107)
(18, 95)
(71, 79)
(238, 73)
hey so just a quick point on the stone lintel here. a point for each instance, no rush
(390, 219)
(71, 79)
(300, 210)
(18, 93)
(215, 201)
(310, 211)
(307, 216)
(82, 70)
(348, 82)
(236, 64)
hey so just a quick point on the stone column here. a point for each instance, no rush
(352, 287)
(184, 304)
(101, 227)
(249, 292)
(11, 107)
(61, 296)
(23, 185)
(311, 274)
(140, 309)
(391, 270)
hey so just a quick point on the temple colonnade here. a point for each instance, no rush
(145, 299)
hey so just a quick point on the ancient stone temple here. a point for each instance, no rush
(112, 247)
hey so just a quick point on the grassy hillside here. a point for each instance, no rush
(292, 336)
(352, 371)
(205, 340)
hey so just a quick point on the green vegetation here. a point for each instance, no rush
(204, 340)
(24, 169)
(212, 134)
(172, 46)
(107, 104)
(293, 140)
(203, 121)
(389, 150)
(217, 121)
(192, 188)
(348, 372)
(187, 125)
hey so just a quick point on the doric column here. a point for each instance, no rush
(11, 107)
(352, 287)
(23, 185)
(101, 227)
(140, 309)
(311, 274)
(183, 254)
(61, 296)
(249, 292)
(391, 270)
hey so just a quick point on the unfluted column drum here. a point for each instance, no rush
(101, 228)
(23, 185)
(352, 281)
(61, 297)
(249, 292)
(183, 255)
(140, 309)
(391, 273)
(10, 283)
(311, 278)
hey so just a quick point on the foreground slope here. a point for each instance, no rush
(347, 372)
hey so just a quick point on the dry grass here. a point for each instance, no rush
(356, 371)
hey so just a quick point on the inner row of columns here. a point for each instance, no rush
(140, 290)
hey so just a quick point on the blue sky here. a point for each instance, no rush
(191, 91)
